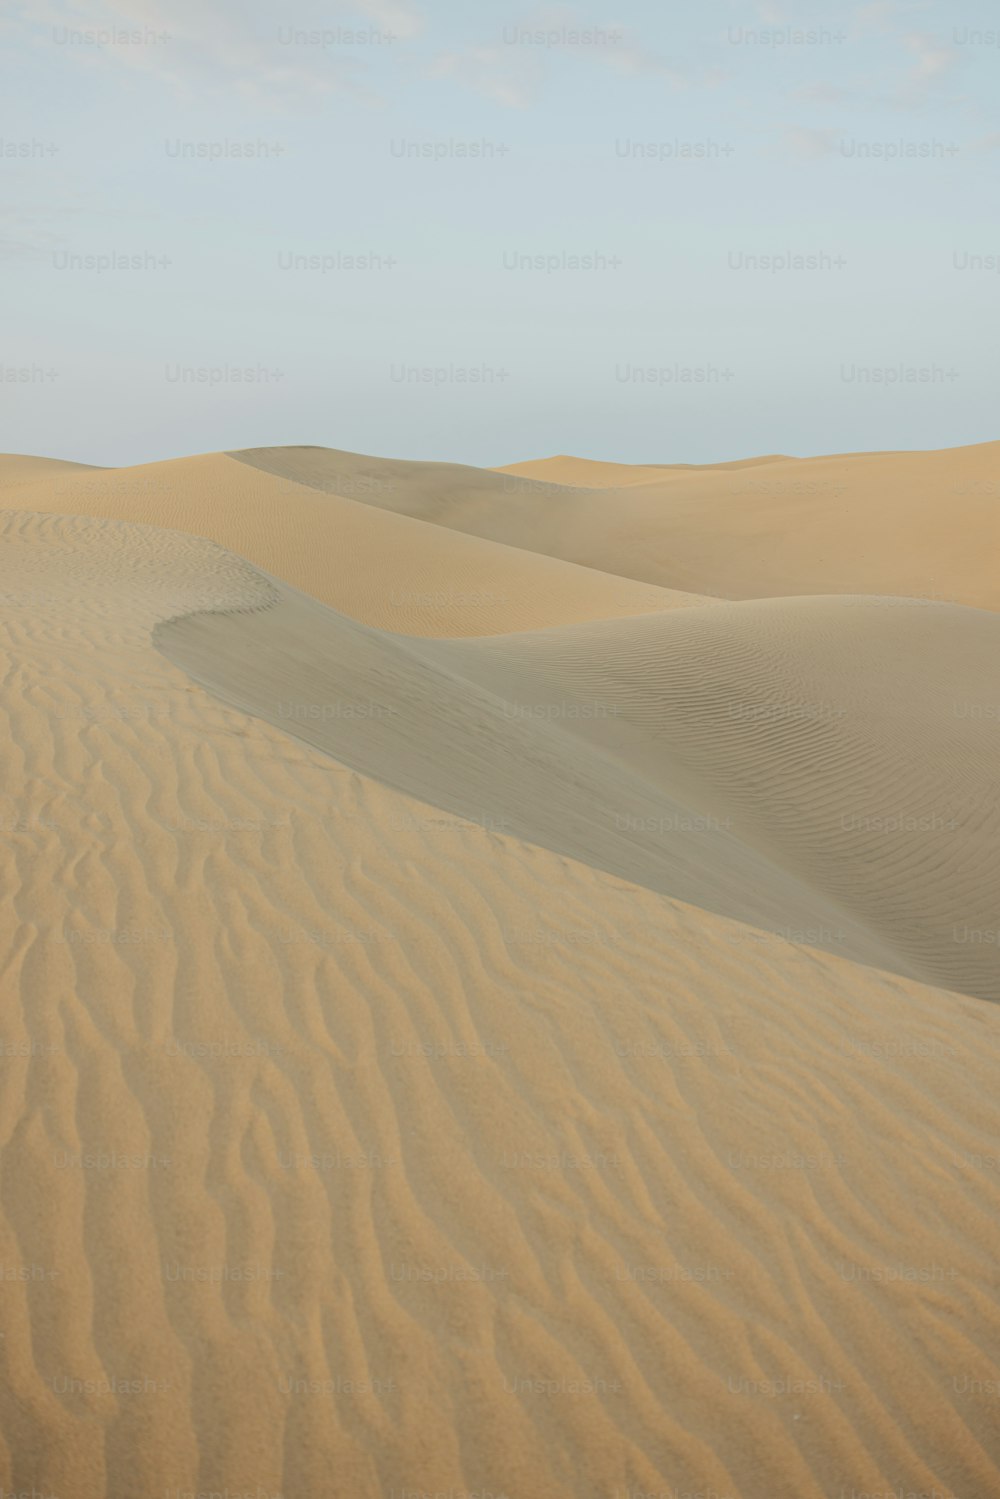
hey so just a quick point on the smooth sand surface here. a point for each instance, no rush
(385, 569)
(919, 524)
(21, 468)
(555, 1060)
(590, 473)
(729, 755)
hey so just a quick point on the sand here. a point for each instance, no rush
(541, 1045)
(912, 524)
(383, 568)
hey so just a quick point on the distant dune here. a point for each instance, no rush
(499, 978)
(384, 568)
(588, 473)
(17, 468)
(921, 524)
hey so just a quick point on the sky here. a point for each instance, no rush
(652, 233)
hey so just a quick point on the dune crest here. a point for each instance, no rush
(922, 525)
(380, 567)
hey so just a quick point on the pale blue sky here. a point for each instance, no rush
(761, 126)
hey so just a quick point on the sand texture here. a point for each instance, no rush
(499, 978)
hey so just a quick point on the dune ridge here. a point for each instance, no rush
(805, 809)
(917, 525)
(922, 525)
(382, 568)
(406, 715)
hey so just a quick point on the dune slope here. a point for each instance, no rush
(855, 745)
(21, 468)
(349, 1149)
(416, 718)
(386, 569)
(590, 473)
(922, 525)
(735, 756)
(925, 525)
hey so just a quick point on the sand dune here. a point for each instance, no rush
(922, 525)
(406, 1084)
(385, 569)
(768, 781)
(420, 720)
(590, 473)
(877, 786)
(20, 468)
(915, 524)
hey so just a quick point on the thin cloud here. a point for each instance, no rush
(885, 15)
(512, 71)
(915, 65)
(493, 73)
(823, 93)
(229, 44)
(33, 226)
(808, 144)
(19, 251)
(634, 60)
(932, 59)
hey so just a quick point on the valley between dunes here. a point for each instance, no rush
(500, 976)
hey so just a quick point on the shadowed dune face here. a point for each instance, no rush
(474, 1021)
(729, 755)
(855, 742)
(419, 720)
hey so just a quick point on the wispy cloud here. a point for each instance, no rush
(38, 248)
(808, 144)
(824, 93)
(932, 60)
(880, 16)
(512, 70)
(909, 65)
(493, 73)
(985, 144)
(242, 46)
(33, 226)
